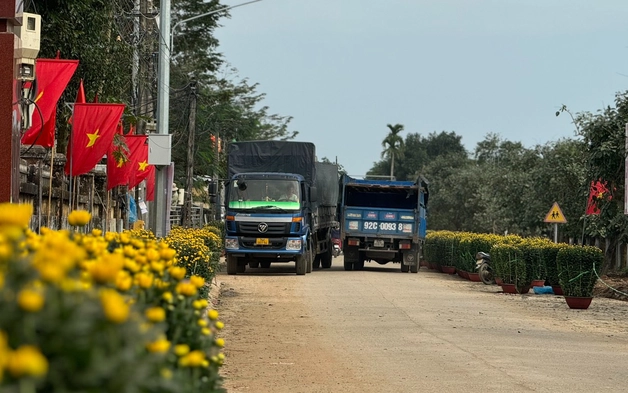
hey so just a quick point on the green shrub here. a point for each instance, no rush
(509, 265)
(548, 255)
(577, 267)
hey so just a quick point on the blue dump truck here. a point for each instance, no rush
(383, 221)
(280, 206)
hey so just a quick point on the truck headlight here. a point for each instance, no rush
(293, 244)
(231, 244)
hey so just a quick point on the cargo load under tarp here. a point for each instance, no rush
(273, 156)
(327, 183)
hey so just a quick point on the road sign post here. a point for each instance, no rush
(555, 216)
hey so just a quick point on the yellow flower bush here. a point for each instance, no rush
(79, 218)
(106, 304)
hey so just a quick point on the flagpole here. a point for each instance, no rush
(52, 162)
(71, 155)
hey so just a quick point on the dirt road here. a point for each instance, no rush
(380, 330)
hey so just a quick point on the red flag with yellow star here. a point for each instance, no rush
(93, 128)
(52, 77)
(150, 184)
(140, 168)
(119, 159)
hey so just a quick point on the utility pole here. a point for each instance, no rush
(189, 168)
(160, 206)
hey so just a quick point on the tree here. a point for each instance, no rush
(393, 146)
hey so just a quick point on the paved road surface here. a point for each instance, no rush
(380, 330)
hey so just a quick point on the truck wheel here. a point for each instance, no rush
(265, 265)
(241, 268)
(404, 268)
(301, 264)
(348, 266)
(415, 268)
(310, 262)
(254, 265)
(317, 261)
(359, 264)
(326, 259)
(232, 264)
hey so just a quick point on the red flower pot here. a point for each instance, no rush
(578, 303)
(509, 288)
(449, 269)
(475, 277)
(558, 290)
(538, 283)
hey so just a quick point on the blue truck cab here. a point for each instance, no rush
(275, 211)
(383, 221)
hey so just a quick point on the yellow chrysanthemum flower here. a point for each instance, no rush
(158, 346)
(197, 281)
(115, 308)
(155, 314)
(177, 272)
(167, 296)
(15, 215)
(185, 289)
(27, 360)
(219, 325)
(212, 314)
(181, 349)
(124, 281)
(107, 268)
(144, 280)
(193, 359)
(79, 218)
(30, 300)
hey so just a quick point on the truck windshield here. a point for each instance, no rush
(265, 194)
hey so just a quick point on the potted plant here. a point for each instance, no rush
(509, 265)
(549, 251)
(532, 254)
(577, 273)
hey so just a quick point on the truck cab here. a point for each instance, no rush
(266, 220)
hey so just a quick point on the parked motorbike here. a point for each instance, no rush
(336, 250)
(484, 268)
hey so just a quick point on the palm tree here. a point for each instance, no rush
(393, 146)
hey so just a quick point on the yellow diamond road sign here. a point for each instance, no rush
(555, 215)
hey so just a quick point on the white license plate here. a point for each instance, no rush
(378, 243)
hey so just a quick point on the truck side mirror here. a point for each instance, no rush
(313, 194)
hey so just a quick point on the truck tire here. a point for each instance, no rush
(359, 264)
(317, 261)
(348, 266)
(241, 268)
(310, 261)
(404, 268)
(232, 264)
(415, 268)
(301, 264)
(326, 259)
(254, 265)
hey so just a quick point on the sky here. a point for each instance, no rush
(344, 69)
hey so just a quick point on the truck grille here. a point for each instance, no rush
(274, 228)
(276, 243)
